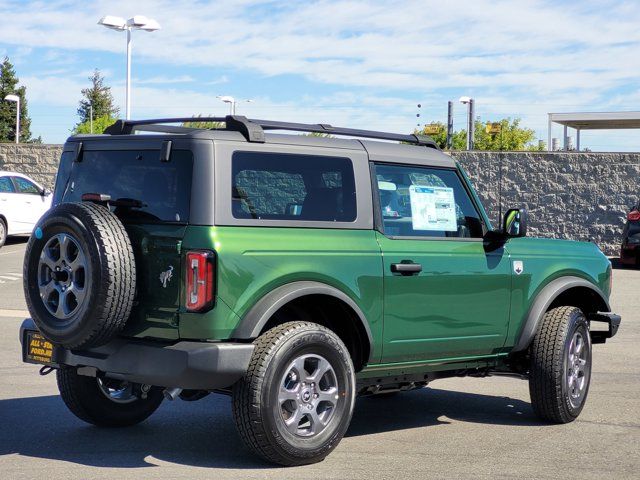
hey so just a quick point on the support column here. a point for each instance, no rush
(472, 114)
(578, 139)
(449, 124)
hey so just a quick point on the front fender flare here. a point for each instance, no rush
(542, 302)
(256, 318)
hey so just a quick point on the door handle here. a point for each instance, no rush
(406, 268)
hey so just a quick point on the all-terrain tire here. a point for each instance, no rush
(560, 370)
(259, 412)
(88, 401)
(3, 232)
(99, 295)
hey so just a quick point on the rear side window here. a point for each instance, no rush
(276, 186)
(5, 185)
(164, 188)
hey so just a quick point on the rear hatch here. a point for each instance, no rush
(156, 225)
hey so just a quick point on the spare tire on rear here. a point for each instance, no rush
(79, 275)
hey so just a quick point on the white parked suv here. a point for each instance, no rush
(22, 202)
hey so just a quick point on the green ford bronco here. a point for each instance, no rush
(294, 273)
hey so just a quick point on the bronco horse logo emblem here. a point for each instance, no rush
(165, 277)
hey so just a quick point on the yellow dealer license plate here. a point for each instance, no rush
(37, 349)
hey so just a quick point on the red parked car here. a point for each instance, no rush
(630, 251)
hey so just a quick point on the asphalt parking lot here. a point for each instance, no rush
(456, 428)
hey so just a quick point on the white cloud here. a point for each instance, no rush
(163, 80)
(529, 57)
(389, 44)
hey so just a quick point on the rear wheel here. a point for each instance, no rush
(560, 365)
(106, 402)
(295, 402)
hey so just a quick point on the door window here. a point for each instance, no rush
(5, 185)
(25, 186)
(425, 202)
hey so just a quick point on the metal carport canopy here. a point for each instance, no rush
(593, 121)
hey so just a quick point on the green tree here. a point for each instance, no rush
(9, 85)
(512, 137)
(459, 139)
(98, 96)
(317, 134)
(100, 124)
(196, 123)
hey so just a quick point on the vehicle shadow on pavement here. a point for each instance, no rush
(425, 407)
(198, 434)
(16, 240)
(202, 433)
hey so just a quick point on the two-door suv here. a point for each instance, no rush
(294, 273)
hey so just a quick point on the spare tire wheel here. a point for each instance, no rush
(79, 275)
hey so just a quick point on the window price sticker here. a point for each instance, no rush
(433, 208)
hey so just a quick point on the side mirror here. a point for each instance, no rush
(515, 223)
(45, 192)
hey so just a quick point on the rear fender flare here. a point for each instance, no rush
(257, 317)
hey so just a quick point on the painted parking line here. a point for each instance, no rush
(10, 277)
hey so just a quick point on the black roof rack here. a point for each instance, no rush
(253, 129)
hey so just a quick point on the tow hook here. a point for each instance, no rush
(171, 393)
(46, 370)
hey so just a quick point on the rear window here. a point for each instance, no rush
(164, 188)
(274, 186)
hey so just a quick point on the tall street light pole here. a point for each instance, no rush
(470, 128)
(15, 98)
(138, 22)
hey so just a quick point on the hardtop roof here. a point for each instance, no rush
(423, 151)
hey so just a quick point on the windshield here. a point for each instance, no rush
(163, 188)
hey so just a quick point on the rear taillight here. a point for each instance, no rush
(634, 216)
(200, 281)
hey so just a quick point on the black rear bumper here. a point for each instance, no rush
(187, 365)
(613, 321)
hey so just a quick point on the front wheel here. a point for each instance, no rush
(295, 402)
(105, 402)
(560, 365)
(3, 232)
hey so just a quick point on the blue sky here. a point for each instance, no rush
(363, 64)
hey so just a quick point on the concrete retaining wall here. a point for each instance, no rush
(40, 162)
(580, 196)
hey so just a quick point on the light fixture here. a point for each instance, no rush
(137, 22)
